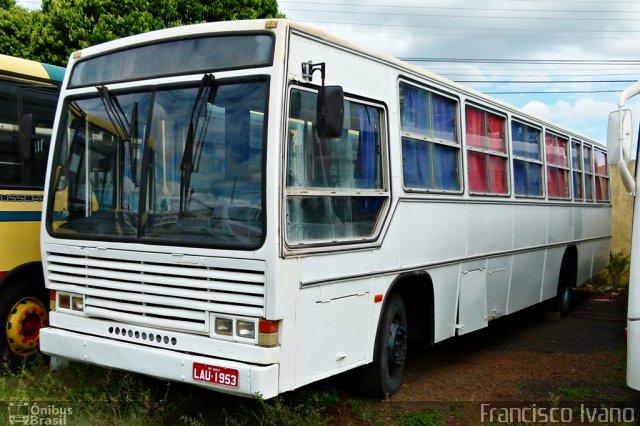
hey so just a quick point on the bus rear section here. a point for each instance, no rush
(28, 98)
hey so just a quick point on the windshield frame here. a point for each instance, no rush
(150, 89)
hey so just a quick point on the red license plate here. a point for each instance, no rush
(216, 375)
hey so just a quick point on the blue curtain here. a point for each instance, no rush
(520, 177)
(366, 160)
(445, 157)
(415, 155)
(366, 164)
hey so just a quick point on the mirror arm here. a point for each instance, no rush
(308, 68)
(628, 93)
(628, 181)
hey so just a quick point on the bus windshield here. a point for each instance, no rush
(163, 165)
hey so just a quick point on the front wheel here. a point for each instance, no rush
(23, 314)
(383, 377)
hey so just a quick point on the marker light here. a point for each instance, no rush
(64, 301)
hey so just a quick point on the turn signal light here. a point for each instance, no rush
(268, 333)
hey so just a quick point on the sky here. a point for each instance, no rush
(564, 60)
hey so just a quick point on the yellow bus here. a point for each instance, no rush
(28, 96)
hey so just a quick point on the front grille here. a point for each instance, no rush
(165, 295)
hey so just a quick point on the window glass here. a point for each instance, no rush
(527, 168)
(486, 152)
(525, 140)
(588, 173)
(176, 165)
(576, 164)
(557, 166)
(601, 175)
(346, 174)
(430, 151)
(23, 161)
(178, 56)
(485, 130)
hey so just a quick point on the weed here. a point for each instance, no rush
(576, 393)
(430, 417)
(616, 274)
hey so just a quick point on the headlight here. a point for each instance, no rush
(246, 329)
(224, 326)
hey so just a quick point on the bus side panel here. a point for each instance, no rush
(585, 261)
(530, 226)
(20, 244)
(333, 329)
(526, 280)
(600, 255)
(432, 232)
(551, 272)
(489, 229)
(445, 300)
(560, 220)
(498, 275)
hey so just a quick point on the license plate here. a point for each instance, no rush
(216, 375)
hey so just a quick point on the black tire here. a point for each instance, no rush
(566, 283)
(383, 377)
(23, 311)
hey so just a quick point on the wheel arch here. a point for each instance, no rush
(30, 274)
(571, 255)
(416, 289)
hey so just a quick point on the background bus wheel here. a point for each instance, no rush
(566, 282)
(383, 377)
(22, 314)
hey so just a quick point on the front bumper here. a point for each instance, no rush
(156, 362)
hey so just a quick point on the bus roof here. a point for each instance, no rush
(11, 65)
(230, 26)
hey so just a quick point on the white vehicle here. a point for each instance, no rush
(619, 141)
(218, 215)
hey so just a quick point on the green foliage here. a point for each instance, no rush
(576, 393)
(431, 417)
(64, 26)
(616, 274)
(16, 25)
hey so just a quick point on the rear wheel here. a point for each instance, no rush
(23, 314)
(566, 283)
(383, 377)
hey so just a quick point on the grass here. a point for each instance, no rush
(100, 396)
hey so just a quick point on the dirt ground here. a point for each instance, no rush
(528, 355)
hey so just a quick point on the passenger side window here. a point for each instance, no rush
(335, 187)
(430, 143)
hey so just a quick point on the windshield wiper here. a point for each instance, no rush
(115, 113)
(206, 95)
(126, 131)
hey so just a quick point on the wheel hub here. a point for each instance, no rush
(23, 326)
(397, 345)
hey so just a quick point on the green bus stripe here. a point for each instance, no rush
(20, 216)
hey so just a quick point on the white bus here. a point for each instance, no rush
(620, 141)
(253, 206)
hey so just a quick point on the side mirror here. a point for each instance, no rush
(619, 136)
(330, 112)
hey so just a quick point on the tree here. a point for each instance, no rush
(64, 26)
(15, 29)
